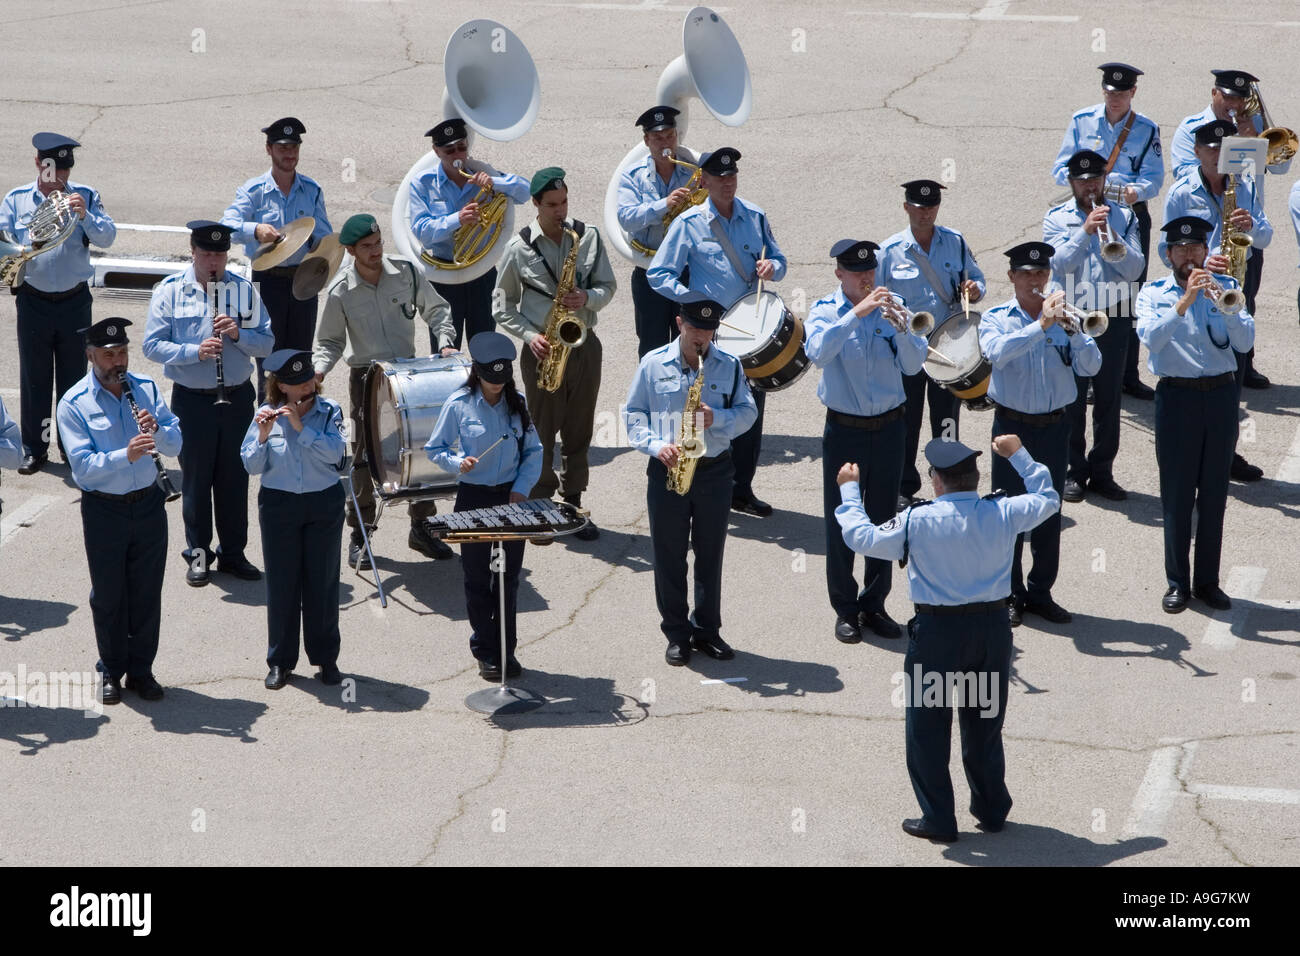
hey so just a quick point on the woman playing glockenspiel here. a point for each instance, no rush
(499, 461)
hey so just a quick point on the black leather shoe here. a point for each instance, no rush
(678, 654)
(490, 671)
(1108, 488)
(240, 567)
(847, 630)
(110, 690)
(1213, 595)
(329, 674)
(1049, 610)
(919, 828)
(197, 577)
(880, 624)
(711, 645)
(146, 687)
(1015, 611)
(1175, 600)
(422, 540)
(748, 504)
(513, 667)
(277, 677)
(357, 556)
(1253, 379)
(1073, 491)
(589, 532)
(31, 464)
(1243, 470)
(1140, 390)
(990, 827)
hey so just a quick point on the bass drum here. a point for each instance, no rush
(403, 399)
(967, 376)
(767, 338)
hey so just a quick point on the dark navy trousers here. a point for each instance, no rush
(482, 594)
(293, 322)
(944, 405)
(1107, 387)
(1048, 445)
(212, 473)
(51, 356)
(656, 315)
(471, 307)
(745, 449)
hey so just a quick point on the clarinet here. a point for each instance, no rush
(164, 481)
(221, 369)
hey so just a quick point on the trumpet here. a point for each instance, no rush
(1112, 250)
(1075, 320)
(1228, 301)
(905, 320)
(1114, 192)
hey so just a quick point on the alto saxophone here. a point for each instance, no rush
(1236, 244)
(564, 330)
(690, 441)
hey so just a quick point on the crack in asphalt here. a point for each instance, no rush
(462, 801)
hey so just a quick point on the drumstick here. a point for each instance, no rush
(733, 328)
(761, 256)
(480, 456)
(941, 357)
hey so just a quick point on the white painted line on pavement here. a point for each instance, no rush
(1253, 794)
(1159, 787)
(1289, 470)
(726, 680)
(1244, 584)
(23, 516)
(993, 10)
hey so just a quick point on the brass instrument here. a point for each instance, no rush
(51, 224)
(697, 196)
(904, 320)
(1228, 301)
(163, 480)
(1112, 250)
(1235, 243)
(1282, 142)
(1075, 320)
(690, 441)
(1115, 192)
(472, 241)
(564, 330)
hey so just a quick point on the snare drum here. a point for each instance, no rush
(767, 338)
(403, 399)
(957, 338)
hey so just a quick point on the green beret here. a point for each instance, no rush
(552, 177)
(357, 228)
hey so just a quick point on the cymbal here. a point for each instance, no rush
(317, 268)
(292, 238)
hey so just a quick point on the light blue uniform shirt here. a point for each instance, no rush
(898, 272)
(1196, 345)
(436, 202)
(652, 413)
(69, 265)
(1182, 149)
(11, 440)
(691, 242)
(179, 320)
(643, 199)
(1029, 373)
(1139, 164)
(299, 461)
(96, 426)
(1090, 281)
(1190, 196)
(259, 201)
(959, 545)
(863, 360)
(470, 421)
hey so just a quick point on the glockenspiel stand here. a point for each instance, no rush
(503, 699)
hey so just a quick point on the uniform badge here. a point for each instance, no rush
(297, 366)
(863, 253)
(111, 331)
(890, 525)
(659, 117)
(1034, 253)
(63, 154)
(216, 234)
(925, 190)
(725, 160)
(706, 312)
(1186, 230)
(446, 131)
(498, 366)
(1117, 75)
(288, 130)
(1239, 81)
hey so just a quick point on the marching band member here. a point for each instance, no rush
(499, 462)
(957, 549)
(296, 444)
(1035, 361)
(186, 333)
(123, 511)
(863, 356)
(727, 244)
(370, 314)
(696, 518)
(1200, 194)
(11, 440)
(1077, 230)
(1295, 222)
(53, 297)
(531, 271)
(928, 266)
(262, 207)
(1191, 342)
(443, 200)
(1131, 143)
(646, 195)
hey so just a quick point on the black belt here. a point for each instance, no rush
(714, 459)
(279, 272)
(1049, 418)
(1200, 384)
(947, 609)
(52, 296)
(209, 391)
(869, 423)
(127, 498)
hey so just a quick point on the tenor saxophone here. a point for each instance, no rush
(564, 330)
(1235, 244)
(690, 442)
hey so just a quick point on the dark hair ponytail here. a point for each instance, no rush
(514, 401)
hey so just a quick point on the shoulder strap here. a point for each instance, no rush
(932, 277)
(729, 249)
(1119, 143)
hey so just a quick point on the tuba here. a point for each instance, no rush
(690, 443)
(697, 196)
(51, 224)
(711, 67)
(491, 82)
(564, 330)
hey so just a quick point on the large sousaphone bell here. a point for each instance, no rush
(491, 83)
(712, 68)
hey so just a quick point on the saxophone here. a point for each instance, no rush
(1235, 244)
(564, 330)
(690, 443)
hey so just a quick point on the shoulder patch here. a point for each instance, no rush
(890, 525)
